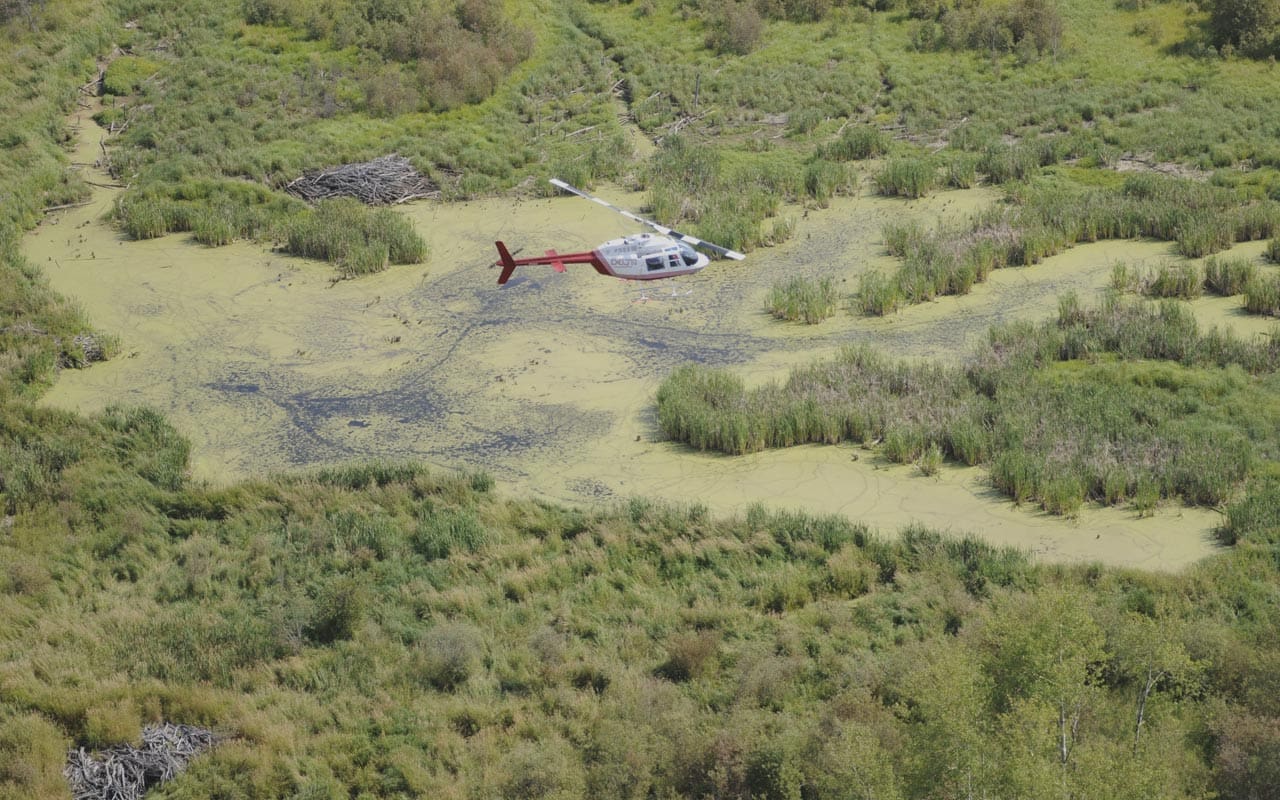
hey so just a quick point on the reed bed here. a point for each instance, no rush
(1052, 429)
(1046, 217)
(358, 240)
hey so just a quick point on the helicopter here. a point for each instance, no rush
(638, 257)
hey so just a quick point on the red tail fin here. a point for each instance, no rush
(508, 263)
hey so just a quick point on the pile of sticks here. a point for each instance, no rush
(126, 772)
(382, 181)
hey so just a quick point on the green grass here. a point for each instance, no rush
(803, 299)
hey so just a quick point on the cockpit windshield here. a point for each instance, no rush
(687, 254)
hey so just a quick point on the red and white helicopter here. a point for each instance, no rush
(639, 257)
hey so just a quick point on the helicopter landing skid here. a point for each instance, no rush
(643, 295)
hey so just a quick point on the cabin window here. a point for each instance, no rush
(653, 263)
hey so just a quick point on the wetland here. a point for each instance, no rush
(270, 365)
(388, 531)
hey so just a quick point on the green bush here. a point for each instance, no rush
(1248, 26)
(450, 654)
(734, 27)
(340, 605)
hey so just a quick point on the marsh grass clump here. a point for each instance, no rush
(961, 170)
(803, 299)
(857, 143)
(1125, 278)
(1227, 276)
(1272, 252)
(930, 461)
(1262, 294)
(823, 179)
(907, 177)
(878, 294)
(1202, 234)
(150, 218)
(1182, 280)
(1255, 516)
(357, 239)
(215, 226)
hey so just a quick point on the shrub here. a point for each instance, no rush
(690, 656)
(126, 74)
(340, 605)
(735, 27)
(450, 654)
(1248, 26)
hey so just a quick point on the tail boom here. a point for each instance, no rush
(556, 261)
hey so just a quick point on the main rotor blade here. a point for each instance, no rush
(723, 252)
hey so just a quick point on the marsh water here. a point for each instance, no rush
(268, 364)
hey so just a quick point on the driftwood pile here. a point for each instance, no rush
(126, 772)
(382, 181)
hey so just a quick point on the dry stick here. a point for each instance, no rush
(126, 772)
(383, 181)
(65, 205)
